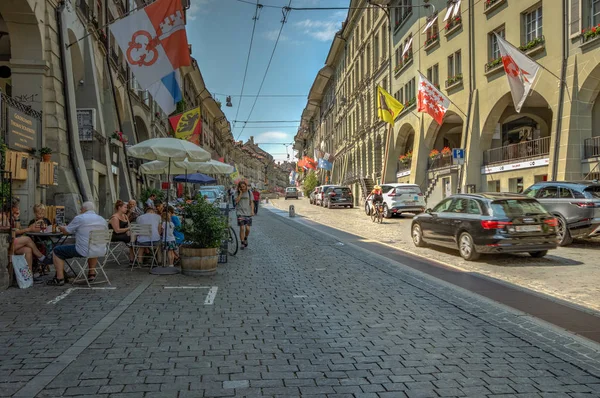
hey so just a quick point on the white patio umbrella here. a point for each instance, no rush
(168, 150)
(186, 166)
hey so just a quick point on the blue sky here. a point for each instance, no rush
(220, 30)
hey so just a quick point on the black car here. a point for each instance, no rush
(576, 206)
(338, 196)
(487, 223)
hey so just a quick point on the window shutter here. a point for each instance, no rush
(575, 28)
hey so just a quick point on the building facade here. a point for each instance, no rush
(553, 136)
(62, 71)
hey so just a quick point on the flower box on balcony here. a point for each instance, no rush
(534, 46)
(453, 25)
(431, 42)
(491, 5)
(589, 36)
(408, 58)
(494, 66)
(454, 81)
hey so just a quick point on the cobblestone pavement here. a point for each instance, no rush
(569, 273)
(297, 314)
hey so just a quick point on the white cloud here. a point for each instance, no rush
(273, 137)
(320, 30)
(272, 35)
(197, 7)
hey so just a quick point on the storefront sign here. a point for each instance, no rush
(22, 130)
(515, 166)
(403, 173)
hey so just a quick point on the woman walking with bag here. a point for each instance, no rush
(244, 204)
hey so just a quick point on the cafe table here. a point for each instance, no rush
(50, 239)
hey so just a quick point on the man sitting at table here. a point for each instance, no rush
(154, 220)
(81, 226)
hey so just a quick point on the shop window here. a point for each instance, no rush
(515, 185)
(494, 186)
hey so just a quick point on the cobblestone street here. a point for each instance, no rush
(297, 314)
(569, 273)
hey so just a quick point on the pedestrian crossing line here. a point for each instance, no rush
(210, 297)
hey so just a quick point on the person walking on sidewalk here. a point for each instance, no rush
(256, 195)
(244, 204)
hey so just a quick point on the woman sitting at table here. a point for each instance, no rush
(40, 216)
(119, 223)
(23, 245)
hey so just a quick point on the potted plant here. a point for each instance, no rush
(434, 154)
(204, 229)
(46, 154)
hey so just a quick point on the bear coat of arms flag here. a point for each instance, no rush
(187, 125)
(521, 71)
(388, 107)
(155, 44)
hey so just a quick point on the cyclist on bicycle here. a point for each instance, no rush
(377, 197)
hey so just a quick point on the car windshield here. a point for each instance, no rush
(341, 191)
(210, 194)
(510, 208)
(408, 190)
(593, 191)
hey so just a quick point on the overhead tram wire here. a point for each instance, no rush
(285, 11)
(256, 16)
(267, 95)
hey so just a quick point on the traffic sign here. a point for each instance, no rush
(458, 156)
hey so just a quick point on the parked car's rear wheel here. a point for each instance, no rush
(562, 233)
(467, 247)
(417, 236)
(386, 212)
(539, 254)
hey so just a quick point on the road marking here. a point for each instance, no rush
(187, 287)
(210, 297)
(299, 296)
(52, 370)
(320, 269)
(62, 296)
(72, 289)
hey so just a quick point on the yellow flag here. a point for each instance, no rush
(388, 107)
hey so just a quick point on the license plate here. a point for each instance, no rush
(409, 202)
(528, 228)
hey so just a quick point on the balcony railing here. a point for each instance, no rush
(591, 147)
(93, 146)
(440, 161)
(516, 152)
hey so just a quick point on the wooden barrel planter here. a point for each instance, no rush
(198, 262)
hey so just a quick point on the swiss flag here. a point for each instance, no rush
(431, 100)
(520, 70)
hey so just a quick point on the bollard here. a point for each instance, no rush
(292, 211)
(266, 200)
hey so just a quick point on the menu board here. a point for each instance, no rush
(60, 215)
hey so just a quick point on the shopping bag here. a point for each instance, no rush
(22, 272)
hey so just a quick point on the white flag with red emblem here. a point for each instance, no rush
(520, 70)
(431, 100)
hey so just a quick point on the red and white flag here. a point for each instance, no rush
(431, 100)
(520, 70)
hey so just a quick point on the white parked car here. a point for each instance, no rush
(399, 198)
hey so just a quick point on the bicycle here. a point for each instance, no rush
(232, 242)
(377, 213)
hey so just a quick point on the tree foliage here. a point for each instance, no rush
(310, 183)
(147, 192)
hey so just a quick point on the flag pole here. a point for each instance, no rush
(105, 25)
(387, 151)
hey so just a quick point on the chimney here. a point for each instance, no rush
(252, 139)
